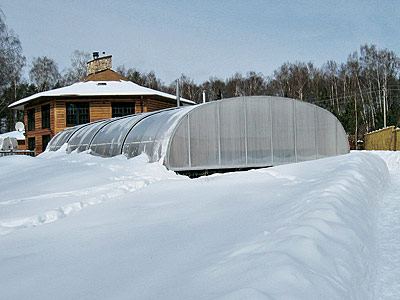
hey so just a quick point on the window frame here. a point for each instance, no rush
(44, 142)
(31, 142)
(77, 113)
(120, 109)
(45, 116)
(31, 119)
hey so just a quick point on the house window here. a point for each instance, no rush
(120, 109)
(46, 116)
(31, 143)
(45, 141)
(31, 119)
(77, 113)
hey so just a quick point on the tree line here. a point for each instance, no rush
(356, 91)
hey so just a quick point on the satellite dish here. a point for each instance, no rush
(19, 126)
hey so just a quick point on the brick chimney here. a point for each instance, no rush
(98, 64)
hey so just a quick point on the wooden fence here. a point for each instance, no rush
(384, 139)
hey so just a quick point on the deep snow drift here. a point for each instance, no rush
(83, 227)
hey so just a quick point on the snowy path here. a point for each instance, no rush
(388, 233)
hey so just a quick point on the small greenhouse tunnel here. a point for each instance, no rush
(234, 133)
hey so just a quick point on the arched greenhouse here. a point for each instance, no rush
(235, 133)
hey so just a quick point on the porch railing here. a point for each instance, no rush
(17, 152)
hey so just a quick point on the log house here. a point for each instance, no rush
(103, 94)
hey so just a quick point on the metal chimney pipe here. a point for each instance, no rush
(204, 96)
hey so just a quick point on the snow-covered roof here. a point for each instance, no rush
(99, 88)
(13, 134)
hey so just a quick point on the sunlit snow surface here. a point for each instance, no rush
(83, 227)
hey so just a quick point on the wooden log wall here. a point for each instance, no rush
(39, 132)
(153, 105)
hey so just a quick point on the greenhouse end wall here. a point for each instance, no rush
(256, 131)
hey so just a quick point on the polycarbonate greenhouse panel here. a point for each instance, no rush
(179, 149)
(232, 127)
(151, 135)
(283, 134)
(204, 141)
(326, 133)
(342, 144)
(259, 131)
(146, 134)
(109, 140)
(305, 132)
(82, 137)
(235, 133)
(62, 137)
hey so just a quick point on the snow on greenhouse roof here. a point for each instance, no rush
(99, 88)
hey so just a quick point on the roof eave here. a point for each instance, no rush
(17, 107)
(20, 104)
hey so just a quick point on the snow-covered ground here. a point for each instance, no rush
(83, 227)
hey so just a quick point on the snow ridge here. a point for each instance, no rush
(325, 247)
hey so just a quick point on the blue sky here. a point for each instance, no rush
(202, 38)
